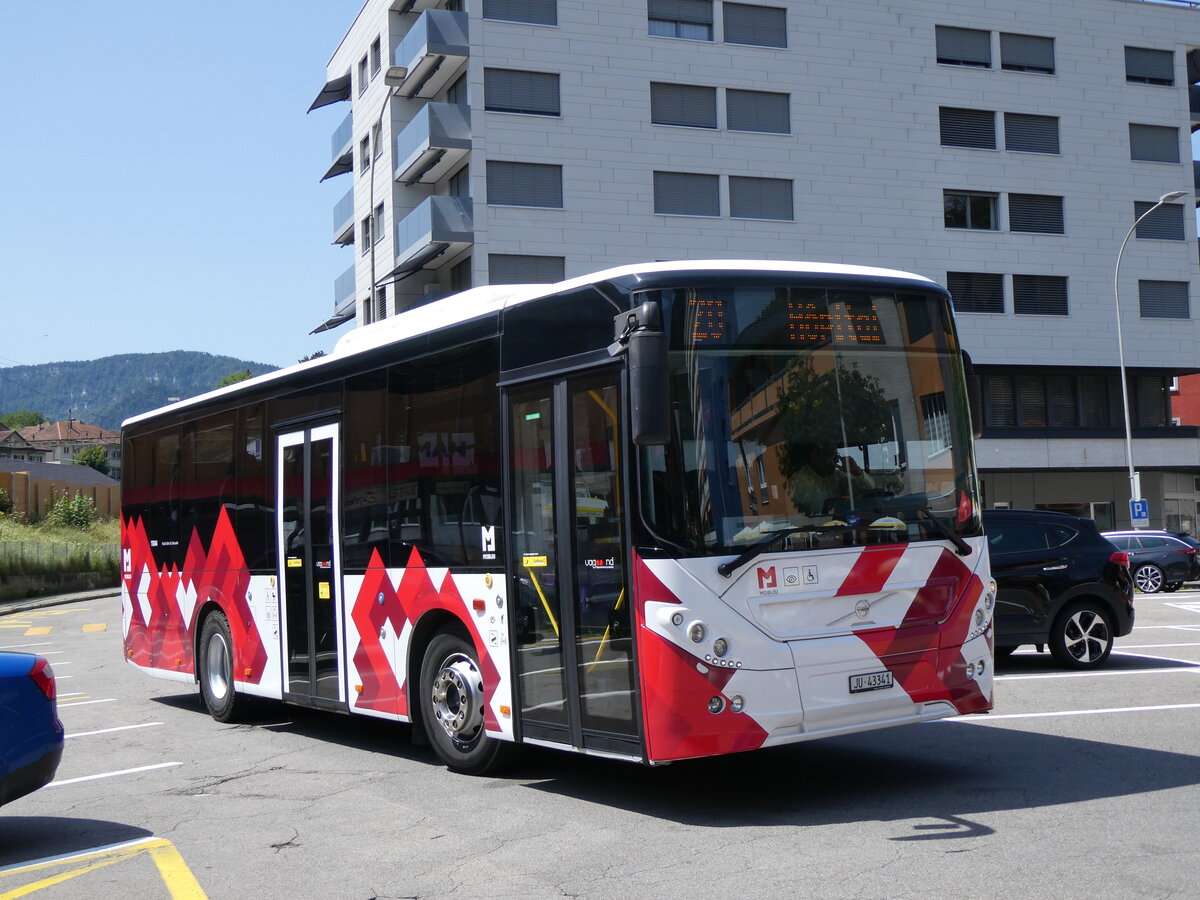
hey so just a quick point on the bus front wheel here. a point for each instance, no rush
(453, 704)
(216, 670)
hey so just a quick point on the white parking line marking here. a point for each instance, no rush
(983, 720)
(1157, 646)
(1193, 669)
(73, 703)
(113, 774)
(110, 730)
(22, 646)
(1168, 627)
(1190, 607)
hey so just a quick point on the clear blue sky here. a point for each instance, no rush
(160, 178)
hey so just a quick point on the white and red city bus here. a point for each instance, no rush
(659, 512)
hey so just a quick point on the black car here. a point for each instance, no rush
(1159, 560)
(1059, 583)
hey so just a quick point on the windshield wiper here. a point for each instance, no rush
(768, 541)
(961, 546)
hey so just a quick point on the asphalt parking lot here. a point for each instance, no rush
(1077, 784)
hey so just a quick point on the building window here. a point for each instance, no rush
(968, 128)
(937, 422)
(514, 268)
(1031, 134)
(364, 154)
(970, 209)
(1143, 66)
(1154, 143)
(377, 228)
(457, 92)
(1152, 401)
(976, 292)
(364, 229)
(459, 184)
(534, 12)
(1164, 300)
(1039, 295)
(532, 93)
(763, 111)
(376, 57)
(683, 104)
(524, 184)
(760, 198)
(689, 19)
(1026, 53)
(377, 138)
(1035, 213)
(380, 304)
(761, 26)
(963, 47)
(460, 275)
(686, 194)
(1164, 224)
(362, 75)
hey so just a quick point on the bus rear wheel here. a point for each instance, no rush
(216, 670)
(452, 698)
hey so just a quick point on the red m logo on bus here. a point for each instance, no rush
(766, 578)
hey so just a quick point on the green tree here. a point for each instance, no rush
(21, 418)
(94, 457)
(234, 378)
(316, 354)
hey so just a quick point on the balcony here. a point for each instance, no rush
(430, 55)
(434, 142)
(343, 149)
(439, 225)
(343, 219)
(343, 302)
(416, 6)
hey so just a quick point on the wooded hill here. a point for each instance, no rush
(106, 391)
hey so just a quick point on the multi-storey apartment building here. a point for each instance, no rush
(1002, 147)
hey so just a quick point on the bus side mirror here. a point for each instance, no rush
(639, 334)
(974, 395)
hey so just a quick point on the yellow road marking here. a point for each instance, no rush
(98, 626)
(175, 874)
(39, 631)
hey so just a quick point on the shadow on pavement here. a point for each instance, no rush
(27, 838)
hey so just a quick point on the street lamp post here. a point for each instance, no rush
(1135, 483)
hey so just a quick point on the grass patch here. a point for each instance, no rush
(45, 548)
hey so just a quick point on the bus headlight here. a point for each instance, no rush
(720, 647)
(696, 632)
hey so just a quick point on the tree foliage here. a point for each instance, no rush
(235, 377)
(21, 418)
(72, 512)
(93, 457)
(316, 354)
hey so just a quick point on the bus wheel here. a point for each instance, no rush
(453, 702)
(216, 669)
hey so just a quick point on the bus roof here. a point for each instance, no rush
(475, 302)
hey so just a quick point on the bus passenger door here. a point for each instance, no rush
(572, 621)
(310, 568)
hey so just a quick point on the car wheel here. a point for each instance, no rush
(1082, 636)
(452, 693)
(1148, 578)
(216, 670)
(1173, 587)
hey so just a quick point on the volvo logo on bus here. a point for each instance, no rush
(862, 608)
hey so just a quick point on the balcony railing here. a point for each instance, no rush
(343, 287)
(438, 220)
(343, 219)
(431, 54)
(433, 143)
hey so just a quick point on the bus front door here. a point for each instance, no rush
(572, 621)
(310, 568)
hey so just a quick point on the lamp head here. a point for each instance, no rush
(1174, 195)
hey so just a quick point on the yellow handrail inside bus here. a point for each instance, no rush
(607, 631)
(545, 604)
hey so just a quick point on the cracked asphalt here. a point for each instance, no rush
(1076, 785)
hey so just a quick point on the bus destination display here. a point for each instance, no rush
(809, 322)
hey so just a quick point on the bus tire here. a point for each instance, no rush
(452, 698)
(216, 670)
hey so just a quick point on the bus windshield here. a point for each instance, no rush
(835, 416)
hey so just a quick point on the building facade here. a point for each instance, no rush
(61, 442)
(1002, 147)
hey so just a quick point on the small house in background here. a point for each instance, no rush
(15, 447)
(62, 442)
(33, 486)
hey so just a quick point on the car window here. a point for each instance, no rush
(1152, 542)
(1057, 535)
(1124, 542)
(1015, 537)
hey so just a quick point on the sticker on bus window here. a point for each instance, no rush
(295, 562)
(533, 561)
(323, 590)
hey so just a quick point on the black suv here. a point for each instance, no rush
(1159, 560)
(1058, 583)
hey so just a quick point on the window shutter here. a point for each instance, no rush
(963, 46)
(683, 104)
(1039, 295)
(1151, 393)
(1154, 143)
(512, 268)
(760, 198)
(1031, 401)
(1064, 408)
(762, 26)
(1031, 134)
(968, 128)
(524, 184)
(977, 292)
(999, 404)
(686, 194)
(1149, 66)
(537, 12)
(1035, 213)
(758, 111)
(508, 90)
(1164, 224)
(1026, 53)
(1164, 300)
(1094, 394)
(695, 12)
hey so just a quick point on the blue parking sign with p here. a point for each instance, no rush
(1139, 512)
